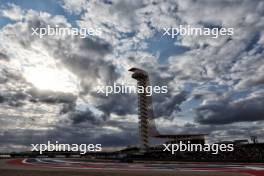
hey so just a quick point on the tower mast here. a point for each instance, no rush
(147, 126)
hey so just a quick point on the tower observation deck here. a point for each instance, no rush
(147, 127)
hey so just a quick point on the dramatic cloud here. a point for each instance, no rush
(47, 85)
(228, 111)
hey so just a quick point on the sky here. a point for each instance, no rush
(216, 85)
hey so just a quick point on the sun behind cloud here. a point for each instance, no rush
(58, 80)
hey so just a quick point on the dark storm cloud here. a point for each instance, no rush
(17, 137)
(51, 97)
(225, 112)
(86, 116)
(124, 125)
(20, 98)
(11, 76)
(67, 100)
(2, 99)
(120, 104)
(170, 104)
(67, 107)
(13, 95)
(3, 56)
(13, 99)
(21, 137)
(120, 139)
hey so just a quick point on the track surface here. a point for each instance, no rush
(254, 169)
